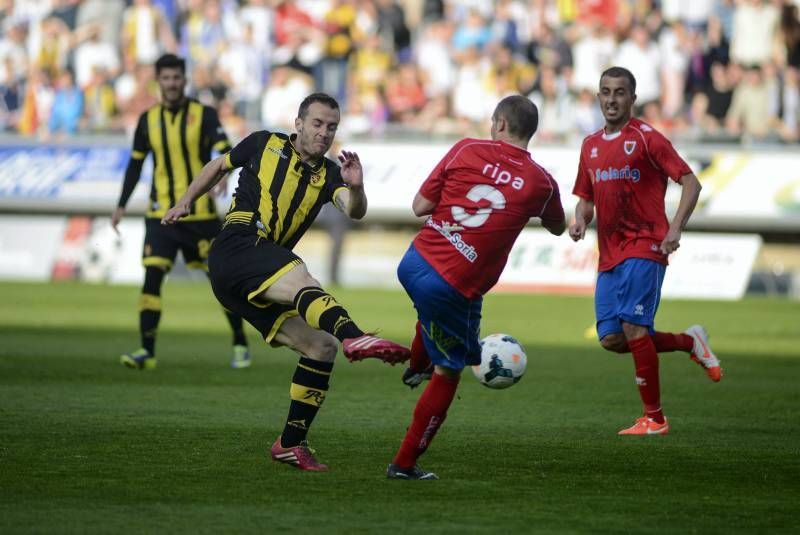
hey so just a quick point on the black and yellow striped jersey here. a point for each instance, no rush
(278, 194)
(181, 141)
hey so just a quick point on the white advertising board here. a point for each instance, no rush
(29, 245)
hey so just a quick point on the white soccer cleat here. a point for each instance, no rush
(702, 354)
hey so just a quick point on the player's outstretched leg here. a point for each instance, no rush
(702, 354)
(321, 310)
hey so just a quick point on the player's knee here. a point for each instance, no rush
(615, 343)
(323, 348)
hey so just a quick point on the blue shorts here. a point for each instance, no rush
(450, 322)
(630, 292)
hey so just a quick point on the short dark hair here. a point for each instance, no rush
(621, 72)
(170, 61)
(521, 114)
(322, 98)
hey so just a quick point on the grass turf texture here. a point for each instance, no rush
(90, 446)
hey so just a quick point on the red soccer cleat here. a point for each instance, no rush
(300, 456)
(368, 346)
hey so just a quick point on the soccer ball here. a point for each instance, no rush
(503, 361)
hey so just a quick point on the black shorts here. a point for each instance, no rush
(193, 238)
(241, 266)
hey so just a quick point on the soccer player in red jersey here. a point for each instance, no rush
(478, 198)
(622, 174)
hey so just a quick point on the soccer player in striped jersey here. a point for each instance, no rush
(283, 183)
(181, 133)
(622, 175)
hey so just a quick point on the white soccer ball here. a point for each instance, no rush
(503, 361)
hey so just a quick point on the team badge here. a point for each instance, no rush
(629, 147)
(594, 153)
(315, 179)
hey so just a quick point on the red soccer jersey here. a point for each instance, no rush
(485, 193)
(625, 175)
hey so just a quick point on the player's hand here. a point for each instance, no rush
(175, 213)
(671, 242)
(352, 173)
(116, 217)
(577, 230)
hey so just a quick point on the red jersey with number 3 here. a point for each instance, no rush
(625, 175)
(485, 193)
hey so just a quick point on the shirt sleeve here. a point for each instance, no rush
(335, 181)
(552, 211)
(246, 149)
(213, 132)
(583, 182)
(666, 157)
(141, 139)
(431, 189)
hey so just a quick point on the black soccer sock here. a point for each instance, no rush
(150, 307)
(308, 391)
(237, 326)
(322, 311)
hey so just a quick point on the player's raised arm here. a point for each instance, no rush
(689, 196)
(211, 173)
(584, 213)
(352, 201)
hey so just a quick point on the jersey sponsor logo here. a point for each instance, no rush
(481, 192)
(455, 239)
(501, 176)
(277, 151)
(612, 173)
(629, 147)
(316, 397)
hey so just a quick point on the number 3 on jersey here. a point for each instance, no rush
(479, 193)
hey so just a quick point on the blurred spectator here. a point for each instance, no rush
(591, 54)
(393, 30)
(673, 43)
(287, 88)
(473, 96)
(405, 95)
(67, 106)
(556, 107)
(640, 55)
(99, 101)
(588, 117)
(106, 14)
(136, 91)
(94, 55)
(710, 107)
(54, 46)
(790, 105)
(434, 59)
(203, 36)
(790, 34)
(749, 114)
(755, 24)
(145, 32)
(472, 33)
(340, 27)
(241, 68)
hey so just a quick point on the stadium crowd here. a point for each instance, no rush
(713, 70)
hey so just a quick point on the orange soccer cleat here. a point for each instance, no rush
(702, 354)
(646, 426)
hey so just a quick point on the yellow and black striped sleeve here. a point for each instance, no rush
(336, 183)
(247, 149)
(141, 147)
(213, 134)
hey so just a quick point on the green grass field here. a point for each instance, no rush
(89, 446)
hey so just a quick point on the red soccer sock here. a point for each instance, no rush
(429, 414)
(645, 358)
(419, 355)
(666, 342)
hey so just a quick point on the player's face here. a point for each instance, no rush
(316, 131)
(616, 100)
(172, 83)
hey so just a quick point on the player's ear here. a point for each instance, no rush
(298, 122)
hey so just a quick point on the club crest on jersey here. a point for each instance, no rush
(593, 154)
(629, 147)
(315, 179)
